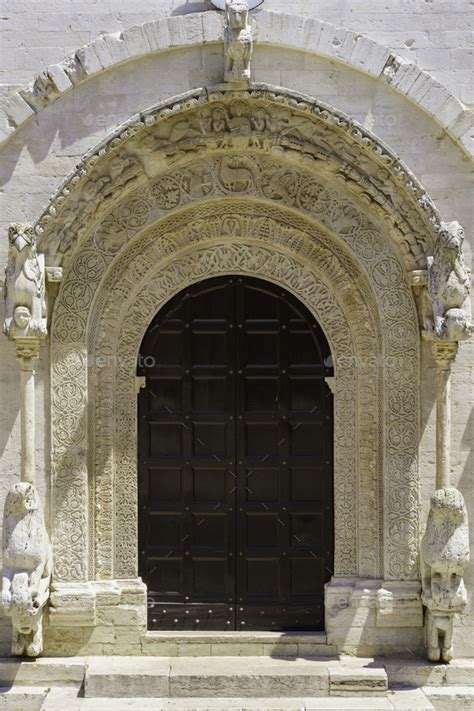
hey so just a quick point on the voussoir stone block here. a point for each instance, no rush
(157, 34)
(89, 60)
(18, 110)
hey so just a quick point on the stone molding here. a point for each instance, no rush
(261, 120)
(281, 29)
(69, 357)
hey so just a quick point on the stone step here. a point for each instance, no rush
(415, 700)
(46, 671)
(418, 672)
(249, 677)
(447, 698)
(22, 698)
(238, 644)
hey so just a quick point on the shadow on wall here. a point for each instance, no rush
(192, 6)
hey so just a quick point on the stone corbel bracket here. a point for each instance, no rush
(447, 293)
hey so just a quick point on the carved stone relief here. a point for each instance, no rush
(238, 42)
(323, 167)
(27, 567)
(232, 225)
(25, 290)
(444, 557)
(450, 286)
(263, 120)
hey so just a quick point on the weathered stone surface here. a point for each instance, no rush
(248, 676)
(127, 676)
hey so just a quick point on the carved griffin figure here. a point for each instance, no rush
(25, 305)
(27, 564)
(444, 556)
(238, 41)
(449, 285)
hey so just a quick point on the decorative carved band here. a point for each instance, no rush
(227, 197)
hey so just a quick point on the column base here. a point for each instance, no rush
(366, 617)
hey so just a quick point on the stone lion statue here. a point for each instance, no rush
(27, 567)
(449, 285)
(25, 305)
(444, 556)
(238, 41)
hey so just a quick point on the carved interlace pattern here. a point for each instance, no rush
(244, 223)
(265, 120)
(373, 326)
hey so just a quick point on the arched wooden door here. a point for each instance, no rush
(235, 461)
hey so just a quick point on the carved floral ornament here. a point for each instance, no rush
(259, 121)
(143, 242)
(271, 148)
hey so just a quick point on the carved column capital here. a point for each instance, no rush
(140, 383)
(444, 353)
(27, 352)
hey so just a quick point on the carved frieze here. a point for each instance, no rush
(257, 120)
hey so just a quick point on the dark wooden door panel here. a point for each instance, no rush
(235, 449)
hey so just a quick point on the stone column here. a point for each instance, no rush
(444, 354)
(27, 353)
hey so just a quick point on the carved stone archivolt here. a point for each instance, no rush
(359, 402)
(253, 182)
(261, 120)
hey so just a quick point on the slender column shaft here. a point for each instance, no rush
(27, 353)
(444, 354)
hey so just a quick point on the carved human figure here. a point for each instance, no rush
(449, 285)
(25, 305)
(238, 41)
(27, 563)
(444, 556)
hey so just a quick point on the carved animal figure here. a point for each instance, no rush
(27, 565)
(236, 174)
(25, 306)
(449, 285)
(238, 41)
(444, 556)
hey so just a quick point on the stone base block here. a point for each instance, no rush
(447, 698)
(366, 617)
(352, 680)
(28, 698)
(127, 677)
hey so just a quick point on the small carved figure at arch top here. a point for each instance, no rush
(238, 42)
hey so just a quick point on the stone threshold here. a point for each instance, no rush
(237, 636)
(239, 644)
